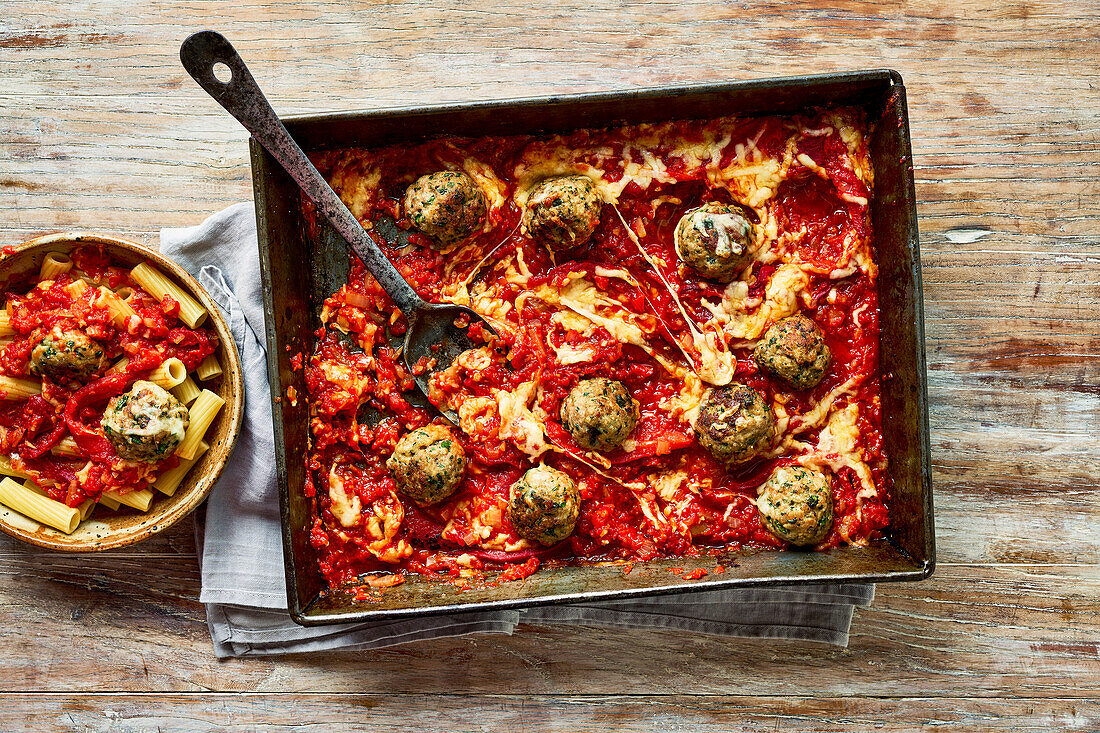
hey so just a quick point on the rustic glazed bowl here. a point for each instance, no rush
(105, 530)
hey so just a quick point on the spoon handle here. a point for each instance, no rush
(242, 98)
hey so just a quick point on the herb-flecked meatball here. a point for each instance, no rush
(66, 355)
(796, 505)
(735, 424)
(794, 350)
(563, 212)
(146, 424)
(714, 240)
(428, 464)
(543, 505)
(599, 413)
(447, 206)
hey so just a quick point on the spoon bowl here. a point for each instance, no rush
(437, 334)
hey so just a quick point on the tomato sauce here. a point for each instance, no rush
(805, 184)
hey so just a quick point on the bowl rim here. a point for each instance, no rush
(233, 410)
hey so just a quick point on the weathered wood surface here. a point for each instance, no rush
(565, 713)
(101, 129)
(978, 630)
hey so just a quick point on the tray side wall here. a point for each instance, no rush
(901, 323)
(284, 249)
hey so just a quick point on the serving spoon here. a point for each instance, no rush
(437, 331)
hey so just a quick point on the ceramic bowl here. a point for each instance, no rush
(105, 530)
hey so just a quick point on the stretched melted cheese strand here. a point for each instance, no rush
(630, 280)
(717, 370)
(580, 459)
(631, 335)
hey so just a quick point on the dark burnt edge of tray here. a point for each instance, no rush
(296, 548)
(566, 112)
(333, 606)
(897, 100)
(872, 90)
(894, 221)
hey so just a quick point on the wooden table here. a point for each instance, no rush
(101, 129)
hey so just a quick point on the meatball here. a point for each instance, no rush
(66, 356)
(448, 206)
(543, 505)
(794, 350)
(599, 413)
(146, 423)
(428, 464)
(735, 424)
(714, 240)
(563, 212)
(796, 505)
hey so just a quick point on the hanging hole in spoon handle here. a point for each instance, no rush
(204, 54)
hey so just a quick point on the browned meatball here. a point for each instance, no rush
(563, 212)
(428, 464)
(66, 355)
(146, 424)
(544, 505)
(735, 424)
(714, 240)
(796, 505)
(448, 206)
(794, 350)
(599, 413)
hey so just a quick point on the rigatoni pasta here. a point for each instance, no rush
(203, 411)
(209, 368)
(67, 447)
(40, 508)
(109, 503)
(7, 469)
(13, 388)
(119, 308)
(187, 391)
(160, 287)
(169, 374)
(141, 499)
(54, 264)
(168, 481)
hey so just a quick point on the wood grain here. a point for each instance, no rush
(983, 631)
(101, 129)
(566, 713)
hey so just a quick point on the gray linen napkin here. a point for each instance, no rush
(240, 546)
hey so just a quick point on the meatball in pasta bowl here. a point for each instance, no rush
(120, 392)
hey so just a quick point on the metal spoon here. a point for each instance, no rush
(432, 330)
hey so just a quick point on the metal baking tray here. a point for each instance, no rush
(303, 264)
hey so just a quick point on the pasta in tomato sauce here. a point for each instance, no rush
(87, 369)
(687, 358)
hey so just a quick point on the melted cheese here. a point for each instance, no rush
(519, 423)
(345, 507)
(495, 190)
(838, 447)
(685, 404)
(567, 354)
(356, 181)
(782, 294)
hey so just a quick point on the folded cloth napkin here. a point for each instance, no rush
(240, 545)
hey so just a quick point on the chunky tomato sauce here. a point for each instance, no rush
(620, 306)
(32, 428)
